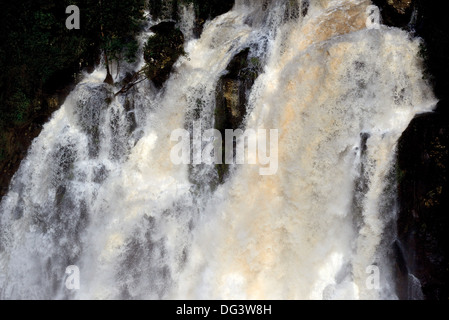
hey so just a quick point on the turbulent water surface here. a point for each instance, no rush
(98, 190)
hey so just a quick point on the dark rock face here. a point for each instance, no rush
(401, 6)
(396, 13)
(109, 80)
(423, 194)
(421, 249)
(231, 92)
(162, 51)
(232, 97)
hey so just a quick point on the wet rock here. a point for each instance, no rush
(421, 250)
(423, 196)
(396, 13)
(109, 80)
(161, 52)
(232, 97)
(52, 102)
(401, 6)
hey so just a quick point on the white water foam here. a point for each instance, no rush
(98, 190)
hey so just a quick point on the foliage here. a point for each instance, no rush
(119, 22)
(39, 53)
(40, 56)
(161, 51)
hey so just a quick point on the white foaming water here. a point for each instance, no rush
(187, 21)
(98, 190)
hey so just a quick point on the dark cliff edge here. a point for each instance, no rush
(18, 139)
(232, 95)
(421, 248)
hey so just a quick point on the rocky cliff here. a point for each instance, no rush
(421, 249)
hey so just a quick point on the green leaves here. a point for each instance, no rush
(37, 49)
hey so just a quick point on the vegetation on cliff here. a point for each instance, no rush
(161, 51)
(40, 57)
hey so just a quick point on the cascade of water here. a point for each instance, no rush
(98, 189)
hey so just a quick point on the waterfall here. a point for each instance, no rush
(97, 189)
(187, 21)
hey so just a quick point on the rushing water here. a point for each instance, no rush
(98, 190)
